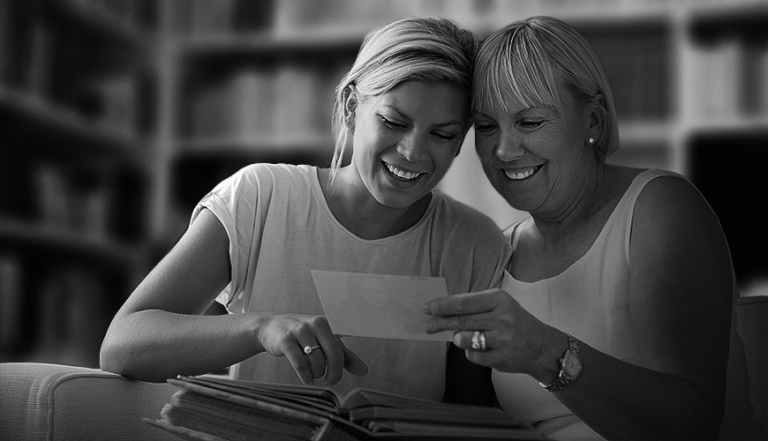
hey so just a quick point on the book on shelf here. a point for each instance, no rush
(212, 16)
(17, 20)
(75, 199)
(110, 102)
(72, 317)
(11, 301)
(214, 408)
(200, 17)
(750, 93)
(249, 104)
(207, 110)
(42, 46)
(716, 71)
(298, 89)
(761, 73)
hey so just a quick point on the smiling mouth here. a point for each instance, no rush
(522, 174)
(401, 174)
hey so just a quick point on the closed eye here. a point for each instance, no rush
(391, 124)
(445, 136)
(484, 128)
(531, 123)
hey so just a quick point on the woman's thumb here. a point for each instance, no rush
(352, 363)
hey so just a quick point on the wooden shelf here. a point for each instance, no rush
(226, 45)
(32, 111)
(268, 144)
(737, 124)
(48, 238)
(646, 132)
(102, 23)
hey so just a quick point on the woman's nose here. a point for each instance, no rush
(510, 147)
(411, 147)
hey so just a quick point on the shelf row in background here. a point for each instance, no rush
(78, 57)
(731, 78)
(193, 18)
(94, 197)
(726, 77)
(287, 100)
(256, 95)
(291, 17)
(56, 314)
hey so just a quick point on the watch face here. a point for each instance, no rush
(571, 365)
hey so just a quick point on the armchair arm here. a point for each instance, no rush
(41, 401)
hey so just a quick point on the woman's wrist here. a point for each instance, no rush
(257, 325)
(548, 366)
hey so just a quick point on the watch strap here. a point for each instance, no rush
(562, 377)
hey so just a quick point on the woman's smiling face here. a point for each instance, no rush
(406, 139)
(531, 154)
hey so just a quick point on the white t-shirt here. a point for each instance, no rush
(280, 227)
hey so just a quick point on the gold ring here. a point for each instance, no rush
(478, 341)
(308, 349)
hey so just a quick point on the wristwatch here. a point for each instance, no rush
(570, 366)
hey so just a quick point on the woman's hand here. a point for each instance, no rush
(310, 346)
(515, 341)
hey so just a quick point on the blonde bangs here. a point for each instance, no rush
(511, 66)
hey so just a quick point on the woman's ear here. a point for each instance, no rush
(597, 114)
(350, 106)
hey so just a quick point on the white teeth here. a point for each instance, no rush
(522, 174)
(402, 174)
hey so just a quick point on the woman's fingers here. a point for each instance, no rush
(316, 358)
(456, 323)
(475, 340)
(462, 304)
(300, 363)
(311, 347)
(331, 351)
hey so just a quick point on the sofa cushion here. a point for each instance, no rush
(41, 401)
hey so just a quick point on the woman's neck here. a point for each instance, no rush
(360, 213)
(590, 199)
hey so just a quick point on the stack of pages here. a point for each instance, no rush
(214, 409)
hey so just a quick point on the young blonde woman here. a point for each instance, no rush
(403, 108)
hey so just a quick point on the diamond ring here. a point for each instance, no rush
(478, 341)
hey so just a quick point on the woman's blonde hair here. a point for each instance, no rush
(524, 61)
(427, 49)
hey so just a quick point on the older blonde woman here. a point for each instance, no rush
(615, 314)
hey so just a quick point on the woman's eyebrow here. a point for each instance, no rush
(408, 118)
(477, 114)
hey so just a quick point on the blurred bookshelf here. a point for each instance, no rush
(143, 106)
(75, 76)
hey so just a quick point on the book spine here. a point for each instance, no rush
(11, 295)
(250, 105)
(297, 91)
(762, 86)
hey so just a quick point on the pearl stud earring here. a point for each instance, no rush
(591, 140)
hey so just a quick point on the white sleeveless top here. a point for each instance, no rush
(590, 300)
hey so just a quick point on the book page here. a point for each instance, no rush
(375, 305)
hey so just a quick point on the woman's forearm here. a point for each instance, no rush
(154, 345)
(624, 401)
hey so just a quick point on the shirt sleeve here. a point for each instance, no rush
(473, 251)
(234, 202)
